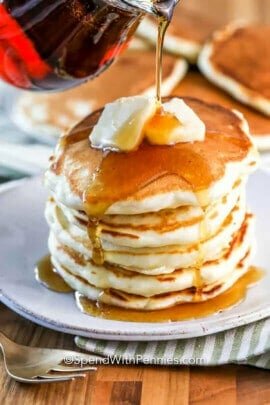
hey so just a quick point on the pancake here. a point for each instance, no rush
(185, 36)
(138, 291)
(195, 85)
(237, 59)
(169, 227)
(132, 74)
(154, 178)
(171, 223)
(149, 258)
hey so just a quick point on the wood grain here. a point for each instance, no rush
(214, 385)
(123, 385)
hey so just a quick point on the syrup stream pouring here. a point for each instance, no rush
(163, 10)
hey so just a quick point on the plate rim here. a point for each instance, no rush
(172, 330)
(172, 334)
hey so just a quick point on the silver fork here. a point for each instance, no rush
(36, 365)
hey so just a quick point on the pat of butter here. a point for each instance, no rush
(176, 122)
(124, 124)
(121, 124)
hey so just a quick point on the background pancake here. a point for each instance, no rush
(195, 85)
(186, 34)
(238, 60)
(132, 74)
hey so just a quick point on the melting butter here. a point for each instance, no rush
(120, 126)
(124, 124)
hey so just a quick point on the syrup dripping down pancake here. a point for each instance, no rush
(153, 178)
(117, 286)
(171, 224)
(146, 251)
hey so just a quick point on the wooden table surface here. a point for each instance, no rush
(122, 385)
(143, 384)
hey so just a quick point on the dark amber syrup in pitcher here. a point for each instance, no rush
(56, 44)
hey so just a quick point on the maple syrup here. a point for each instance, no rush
(176, 313)
(53, 45)
(160, 126)
(198, 281)
(120, 175)
(47, 275)
(116, 175)
(94, 231)
(95, 212)
(163, 24)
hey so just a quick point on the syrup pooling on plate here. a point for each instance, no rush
(179, 312)
(237, 148)
(47, 275)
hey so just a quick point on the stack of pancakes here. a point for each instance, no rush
(175, 228)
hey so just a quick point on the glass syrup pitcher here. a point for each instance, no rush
(58, 44)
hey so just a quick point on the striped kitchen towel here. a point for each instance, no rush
(249, 344)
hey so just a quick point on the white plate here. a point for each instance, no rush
(23, 241)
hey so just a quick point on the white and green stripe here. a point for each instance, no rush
(248, 344)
